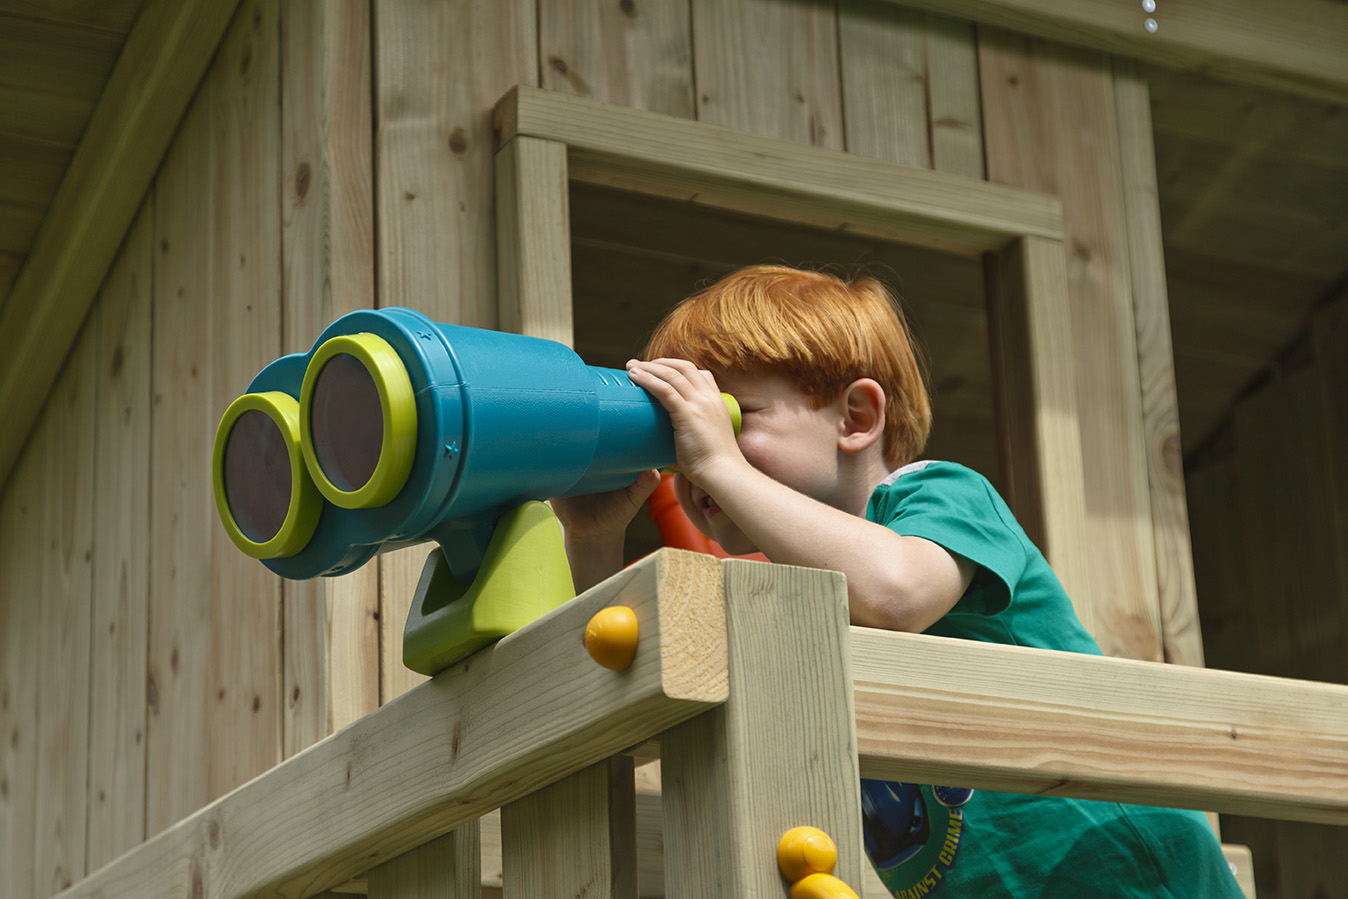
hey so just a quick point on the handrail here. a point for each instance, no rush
(936, 710)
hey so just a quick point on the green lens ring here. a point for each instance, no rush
(305, 504)
(399, 420)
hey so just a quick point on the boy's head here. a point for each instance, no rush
(819, 330)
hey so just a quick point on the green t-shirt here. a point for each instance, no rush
(1005, 844)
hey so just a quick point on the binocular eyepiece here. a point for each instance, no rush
(393, 430)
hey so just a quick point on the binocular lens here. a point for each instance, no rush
(347, 422)
(257, 476)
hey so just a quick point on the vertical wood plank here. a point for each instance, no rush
(1330, 336)
(1036, 405)
(576, 837)
(439, 70)
(445, 868)
(955, 109)
(20, 617)
(533, 238)
(882, 51)
(244, 672)
(769, 68)
(65, 560)
(215, 673)
(327, 251)
(1181, 634)
(631, 54)
(1049, 125)
(181, 428)
(780, 752)
(121, 509)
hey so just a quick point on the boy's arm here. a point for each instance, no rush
(594, 527)
(894, 581)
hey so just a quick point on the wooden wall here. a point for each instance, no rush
(1270, 514)
(339, 155)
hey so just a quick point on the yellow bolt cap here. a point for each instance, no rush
(805, 850)
(611, 637)
(822, 886)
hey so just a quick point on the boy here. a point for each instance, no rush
(822, 474)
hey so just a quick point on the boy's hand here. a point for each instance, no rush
(594, 527)
(601, 516)
(703, 433)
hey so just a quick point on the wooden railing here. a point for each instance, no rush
(766, 708)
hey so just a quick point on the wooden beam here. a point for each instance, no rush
(533, 240)
(155, 77)
(1039, 437)
(494, 728)
(937, 710)
(779, 753)
(1295, 45)
(728, 169)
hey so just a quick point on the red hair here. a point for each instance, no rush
(819, 330)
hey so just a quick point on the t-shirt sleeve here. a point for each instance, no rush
(958, 509)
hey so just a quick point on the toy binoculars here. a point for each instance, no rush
(394, 430)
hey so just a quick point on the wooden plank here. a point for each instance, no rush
(740, 172)
(533, 239)
(65, 560)
(1050, 125)
(955, 103)
(938, 710)
(150, 86)
(1330, 335)
(576, 837)
(327, 262)
(243, 706)
(438, 70)
(493, 728)
(21, 540)
(883, 54)
(786, 86)
(182, 424)
(121, 566)
(1036, 405)
(1295, 47)
(638, 55)
(779, 753)
(448, 867)
(1181, 635)
(215, 696)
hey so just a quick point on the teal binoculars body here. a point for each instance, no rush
(394, 430)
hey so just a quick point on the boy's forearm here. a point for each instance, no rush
(894, 582)
(593, 560)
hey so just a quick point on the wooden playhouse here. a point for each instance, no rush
(1111, 223)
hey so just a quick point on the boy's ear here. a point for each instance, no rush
(863, 408)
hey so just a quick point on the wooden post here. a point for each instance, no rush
(449, 867)
(1031, 345)
(533, 239)
(780, 753)
(576, 837)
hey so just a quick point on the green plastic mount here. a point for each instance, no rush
(524, 575)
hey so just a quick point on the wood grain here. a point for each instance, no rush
(155, 77)
(740, 172)
(331, 625)
(121, 567)
(533, 239)
(497, 726)
(937, 710)
(779, 753)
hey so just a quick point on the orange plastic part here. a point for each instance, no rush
(676, 530)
